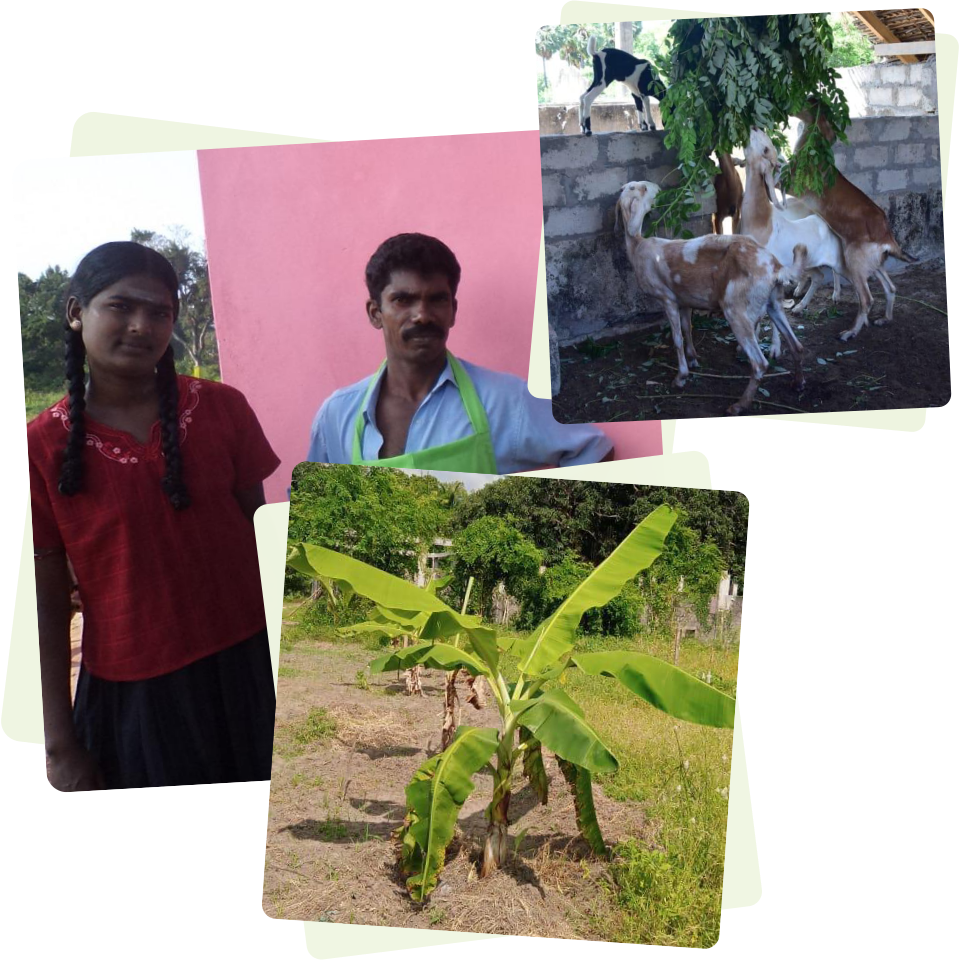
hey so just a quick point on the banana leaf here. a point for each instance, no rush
(390, 592)
(533, 767)
(556, 635)
(438, 583)
(434, 798)
(374, 628)
(440, 656)
(411, 620)
(581, 786)
(663, 685)
(558, 723)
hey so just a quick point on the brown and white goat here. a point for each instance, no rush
(763, 218)
(729, 273)
(863, 230)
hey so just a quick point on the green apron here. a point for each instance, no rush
(472, 454)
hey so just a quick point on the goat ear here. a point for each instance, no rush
(638, 211)
(768, 183)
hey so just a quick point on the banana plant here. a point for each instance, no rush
(532, 714)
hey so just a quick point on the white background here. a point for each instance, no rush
(848, 659)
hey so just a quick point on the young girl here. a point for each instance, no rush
(145, 483)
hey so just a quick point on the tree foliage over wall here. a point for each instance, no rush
(727, 74)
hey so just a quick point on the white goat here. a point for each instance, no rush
(731, 273)
(764, 218)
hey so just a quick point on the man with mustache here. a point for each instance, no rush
(426, 409)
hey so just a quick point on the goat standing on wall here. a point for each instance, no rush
(732, 274)
(863, 230)
(639, 76)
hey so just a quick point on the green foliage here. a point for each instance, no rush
(647, 46)
(36, 401)
(672, 691)
(546, 717)
(851, 47)
(292, 739)
(637, 552)
(581, 786)
(492, 550)
(434, 798)
(543, 89)
(42, 304)
(689, 569)
(384, 517)
(569, 41)
(195, 344)
(727, 74)
(587, 520)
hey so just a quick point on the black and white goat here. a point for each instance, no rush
(639, 76)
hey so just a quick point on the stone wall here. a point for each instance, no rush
(591, 290)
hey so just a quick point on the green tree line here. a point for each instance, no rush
(538, 537)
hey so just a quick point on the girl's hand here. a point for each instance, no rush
(71, 767)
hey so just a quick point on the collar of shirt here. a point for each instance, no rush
(369, 411)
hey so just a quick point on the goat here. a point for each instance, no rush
(639, 76)
(731, 273)
(729, 191)
(862, 227)
(764, 219)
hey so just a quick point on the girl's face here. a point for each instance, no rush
(126, 327)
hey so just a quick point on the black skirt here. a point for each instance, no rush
(209, 722)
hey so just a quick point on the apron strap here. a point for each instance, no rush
(468, 396)
(359, 422)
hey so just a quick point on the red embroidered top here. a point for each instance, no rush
(160, 587)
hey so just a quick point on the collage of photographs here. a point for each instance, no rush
(370, 505)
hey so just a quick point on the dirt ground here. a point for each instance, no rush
(900, 365)
(330, 855)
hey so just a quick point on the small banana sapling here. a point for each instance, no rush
(533, 715)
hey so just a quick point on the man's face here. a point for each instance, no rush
(415, 314)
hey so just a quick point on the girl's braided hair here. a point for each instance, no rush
(99, 269)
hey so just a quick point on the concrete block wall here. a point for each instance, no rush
(873, 90)
(890, 89)
(605, 117)
(591, 290)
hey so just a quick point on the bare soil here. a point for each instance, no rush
(896, 366)
(334, 807)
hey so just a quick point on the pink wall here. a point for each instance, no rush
(290, 229)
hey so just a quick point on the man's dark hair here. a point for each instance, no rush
(425, 255)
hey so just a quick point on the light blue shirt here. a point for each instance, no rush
(522, 429)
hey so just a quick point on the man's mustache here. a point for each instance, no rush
(426, 330)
